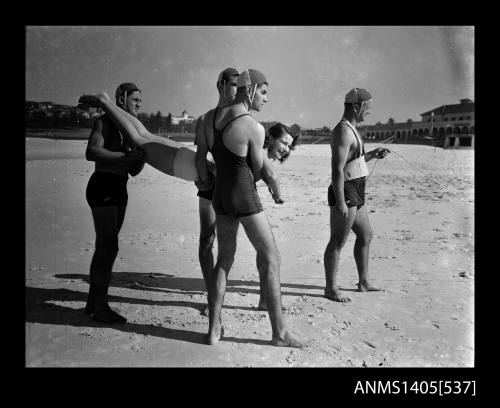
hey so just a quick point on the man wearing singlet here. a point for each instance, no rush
(237, 148)
(346, 194)
(107, 197)
(226, 85)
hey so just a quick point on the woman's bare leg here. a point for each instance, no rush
(132, 128)
(141, 129)
(161, 153)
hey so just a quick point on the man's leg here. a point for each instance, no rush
(207, 237)
(120, 217)
(107, 221)
(104, 225)
(259, 233)
(361, 227)
(339, 231)
(227, 230)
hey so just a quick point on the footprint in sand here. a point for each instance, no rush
(391, 326)
(38, 268)
(384, 362)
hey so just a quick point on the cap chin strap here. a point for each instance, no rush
(359, 112)
(224, 87)
(251, 100)
(124, 102)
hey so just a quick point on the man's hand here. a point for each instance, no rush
(207, 185)
(212, 170)
(135, 156)
(341, 208)
(380, 152)
(135, 160)
(277, 199)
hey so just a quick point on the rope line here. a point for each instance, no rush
(316, 141)
(390, 140)
(433, 179)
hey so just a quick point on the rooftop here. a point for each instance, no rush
(465, 106)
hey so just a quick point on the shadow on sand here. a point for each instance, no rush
(40, 309)
(40, 306)
(165, 283)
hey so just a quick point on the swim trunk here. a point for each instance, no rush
(240, 201)
(207, 194)
(354, 193)
(107, 190)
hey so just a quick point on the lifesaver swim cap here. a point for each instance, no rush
(124, 88)
(357, 95)
(226, 74)
(251, 77)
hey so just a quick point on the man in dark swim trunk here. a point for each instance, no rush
(282, 143)
(226, 85)
(237, 148)
(346, 194)
(107, 197)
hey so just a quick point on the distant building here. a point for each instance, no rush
(183, 119)
(95, 112)
(35, 109)
(61, 111)
(45, 105)
(32, 105)
(446, 126)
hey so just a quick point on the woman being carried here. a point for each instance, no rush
(166, 155)
(177, 159)
(279, 143)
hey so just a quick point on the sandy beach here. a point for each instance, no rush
(422, 254)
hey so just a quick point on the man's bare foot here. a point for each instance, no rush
(89, 307)
(214, 336)
(107, 315)
(204, 311)
(366, 287)
(288, 340)
(336, 295)
(263, 306)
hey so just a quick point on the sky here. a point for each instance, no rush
(407, 69)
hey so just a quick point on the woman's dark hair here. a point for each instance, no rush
(275, 132)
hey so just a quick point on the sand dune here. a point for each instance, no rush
(422, 254)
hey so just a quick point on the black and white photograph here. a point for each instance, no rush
(250, 196)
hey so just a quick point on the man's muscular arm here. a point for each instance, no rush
(206, 178)
(255, 146)
(96, 151)
(340, 143)
(270, 177)
(95, 148)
